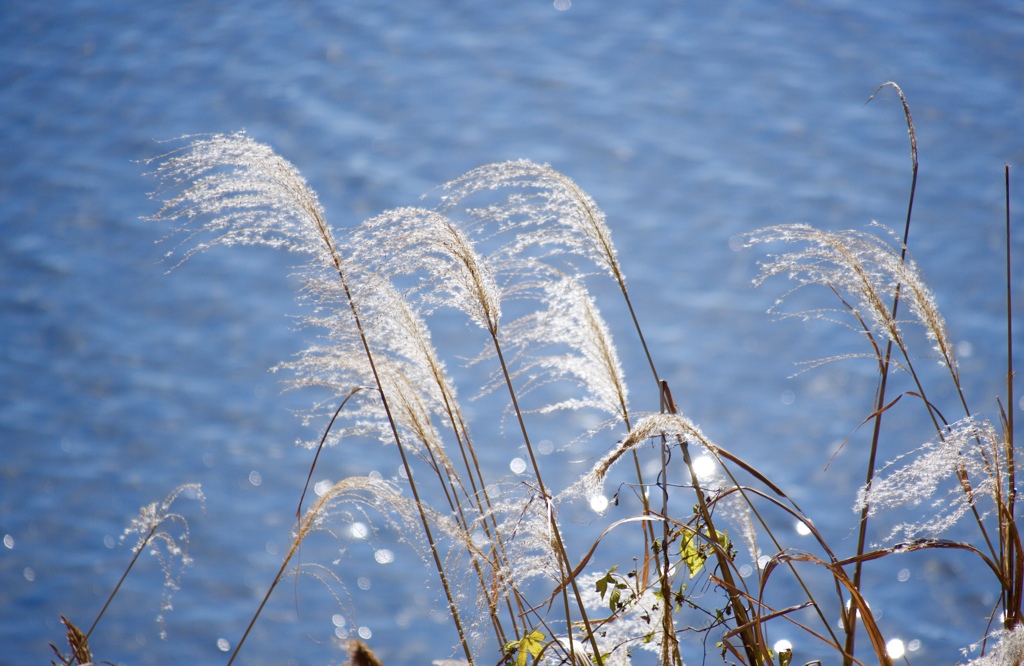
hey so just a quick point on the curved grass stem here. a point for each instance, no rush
(564, 564)
(850, 619)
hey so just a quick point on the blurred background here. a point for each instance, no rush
(688, 122)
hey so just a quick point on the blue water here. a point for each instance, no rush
(688, 122)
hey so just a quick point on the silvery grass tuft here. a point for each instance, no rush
(1009, 651)
(868, 273)
(969, 467)
(163, 533)
(153, 528)
(970, 448)
(373, 292)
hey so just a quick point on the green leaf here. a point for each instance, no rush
(723, 539)
(602, 584)
(530, 645)
(693, 556)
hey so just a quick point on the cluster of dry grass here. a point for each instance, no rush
(521, 237)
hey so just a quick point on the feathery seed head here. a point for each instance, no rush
(672, 426)
(572, 321)
(548, 210)
(412, 241)
(244, 193)
(152, 527)
(864, 268)
(969, 451)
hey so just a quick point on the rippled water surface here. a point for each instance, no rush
(689, 123)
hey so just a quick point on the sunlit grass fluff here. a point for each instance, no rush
(244, 193)
(938, 475)
(371, 294)
(230, 189)
(546, 210)
(152, 527)
(867, 273)
(1009, 651)
(418, 242)
(674, 427)
(569, 340)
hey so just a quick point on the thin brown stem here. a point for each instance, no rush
(135, 557)
(752, 645)
(1013, 566)
(564, 564)
(453, 607)
(266, 597)
(319, 448)
(1012, 484)
(850, 619)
